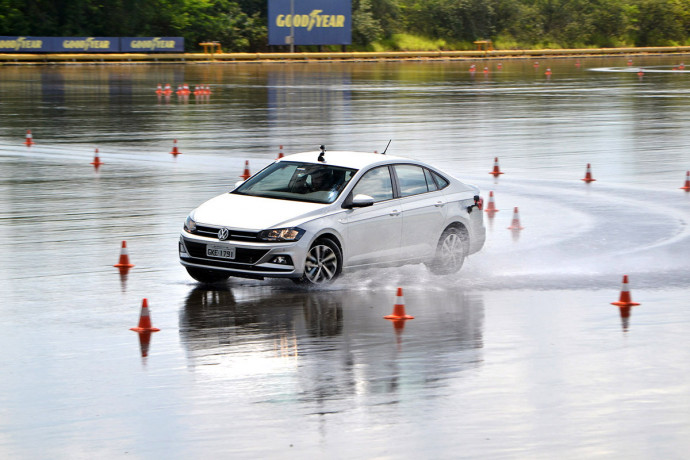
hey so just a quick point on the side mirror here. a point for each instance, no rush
(362, 201)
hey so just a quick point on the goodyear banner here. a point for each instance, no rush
(151, 44)
(26, 44)
(86, 45)
(309, 22)
(90, 44)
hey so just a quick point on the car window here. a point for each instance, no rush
(375, 183)
(317, 183)
(430, 183)
(411, 179)
(442, 183)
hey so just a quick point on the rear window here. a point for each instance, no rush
(411, 179)
(441, 181)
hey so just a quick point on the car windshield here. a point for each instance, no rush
(284, 180)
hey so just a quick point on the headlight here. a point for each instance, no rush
(189, 224)
(282, 234)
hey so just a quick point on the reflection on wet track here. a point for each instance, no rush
(520, 355)
(335, 340)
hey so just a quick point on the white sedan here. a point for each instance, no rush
(311, 215)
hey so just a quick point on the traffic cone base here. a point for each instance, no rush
(624, 304)
(144, 320)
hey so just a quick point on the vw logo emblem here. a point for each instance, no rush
(223, 234)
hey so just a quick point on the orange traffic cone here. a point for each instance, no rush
(174, 150)
(515, 224)
(625, 299)
(124, 258)
(548, 72)
(588, 174)
(496, 171)
(246, 174)
(686, 187)
(167, 90)
(159, 89)
(280, 154)
(29, 138)
(491, 207)
(399, 308)
(96, 160)
(144, 320)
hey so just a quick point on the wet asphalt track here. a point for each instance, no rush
(519, 356)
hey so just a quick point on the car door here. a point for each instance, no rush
(373, 233)
(423, 211)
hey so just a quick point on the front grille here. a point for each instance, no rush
(235, 235)
(242, 255)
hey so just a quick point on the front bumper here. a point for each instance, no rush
(252, 260)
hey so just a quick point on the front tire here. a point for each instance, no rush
(323, 263)
(206, 276)
(450, 252)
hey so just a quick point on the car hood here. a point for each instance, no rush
(244, 212)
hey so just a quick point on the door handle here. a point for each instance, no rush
(394, 212)
(439, 204)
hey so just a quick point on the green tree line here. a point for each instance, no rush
(241, 25)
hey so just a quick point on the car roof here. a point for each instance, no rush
(347, 159)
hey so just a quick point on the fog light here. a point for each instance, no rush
(282, 260)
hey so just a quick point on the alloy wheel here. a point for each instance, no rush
(452, 251)
(321, 265)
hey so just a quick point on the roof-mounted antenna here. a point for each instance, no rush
(323, 152)
(386, 149)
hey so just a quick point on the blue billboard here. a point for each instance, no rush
(309, 22)
(90, 44)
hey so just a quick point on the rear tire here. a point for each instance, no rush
(450, 252)
(323, 263)
(206, 276)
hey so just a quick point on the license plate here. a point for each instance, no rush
(222, 252)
